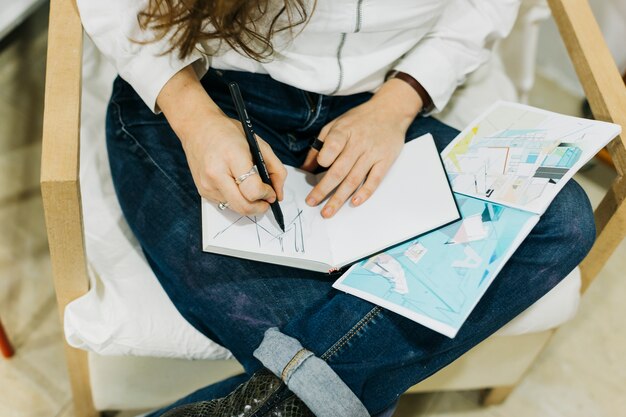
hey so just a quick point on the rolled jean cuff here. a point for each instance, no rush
(307, 376)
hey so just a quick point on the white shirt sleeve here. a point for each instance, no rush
(114, 28)
(459, 42)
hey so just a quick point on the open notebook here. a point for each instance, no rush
(414, 198)
(505, 168)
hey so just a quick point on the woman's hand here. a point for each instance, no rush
(361, 145)
(217, 153)
(216, 148)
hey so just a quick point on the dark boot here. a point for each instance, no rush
(263, 395)
(292, 406)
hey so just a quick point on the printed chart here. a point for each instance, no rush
(518, 157)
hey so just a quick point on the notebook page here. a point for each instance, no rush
(227, 232)
(413, 198)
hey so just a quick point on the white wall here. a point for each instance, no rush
(553, 60)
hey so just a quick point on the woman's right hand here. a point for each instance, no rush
(216, 148)
(217, 153)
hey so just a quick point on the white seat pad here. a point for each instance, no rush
(126, 312)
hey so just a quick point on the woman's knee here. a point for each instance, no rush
(570, 221)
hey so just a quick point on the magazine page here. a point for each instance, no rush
(522, 156)
(438, 278)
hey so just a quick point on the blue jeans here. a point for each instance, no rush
(373, 353)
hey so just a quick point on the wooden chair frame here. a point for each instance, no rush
(60, 185)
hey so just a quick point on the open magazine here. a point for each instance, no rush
(505, 168)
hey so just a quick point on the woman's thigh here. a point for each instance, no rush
(232, 301)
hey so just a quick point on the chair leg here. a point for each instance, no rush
(78, 367)
(496, 395)
(5, 345)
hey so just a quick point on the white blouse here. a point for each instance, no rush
(346, 47)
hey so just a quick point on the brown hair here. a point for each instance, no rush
(245, 25)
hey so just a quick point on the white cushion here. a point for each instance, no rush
(126, 312)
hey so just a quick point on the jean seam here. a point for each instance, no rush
(145, 151)
(374, 312)
(292, 363)
(312, 117)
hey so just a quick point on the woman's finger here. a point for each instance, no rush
(310, 163)
(237, 202)
(252, 188)
(335, 175)
(334, 143)
(276, 169)
(348, 186)
(212, 194)
(374, 178)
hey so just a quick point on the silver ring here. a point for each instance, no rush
(222, 205)
(243, 177)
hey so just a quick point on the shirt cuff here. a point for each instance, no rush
(149, 74)
(433, 70)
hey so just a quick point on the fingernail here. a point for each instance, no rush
(356, 200)
(310, 201)
(327, 212)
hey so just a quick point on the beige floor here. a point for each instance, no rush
(581, 374)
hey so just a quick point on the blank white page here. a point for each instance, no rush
(413, 198)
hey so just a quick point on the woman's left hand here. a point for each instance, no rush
(361, 145)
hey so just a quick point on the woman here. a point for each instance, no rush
(355, 74)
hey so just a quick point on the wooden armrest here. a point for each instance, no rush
(60, 186)
(60, 151)
(62, 96)
(595, 67)
(606, 93)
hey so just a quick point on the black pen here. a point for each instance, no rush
(257, 156)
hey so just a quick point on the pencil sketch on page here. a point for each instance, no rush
(267, 234)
